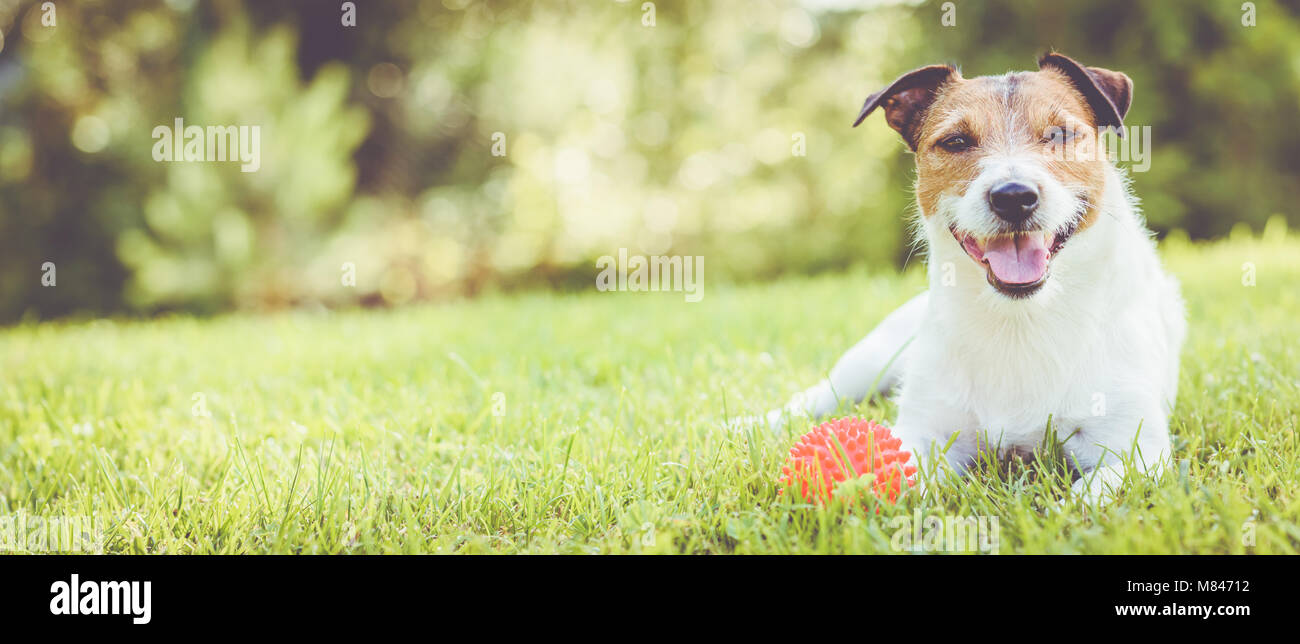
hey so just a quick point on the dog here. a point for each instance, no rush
(1047, 302)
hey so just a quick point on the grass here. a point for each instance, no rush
(593, 423)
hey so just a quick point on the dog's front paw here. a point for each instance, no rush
(774, 421)
(796, 414)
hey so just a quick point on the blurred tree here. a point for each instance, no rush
(212, 235)
(444, 147)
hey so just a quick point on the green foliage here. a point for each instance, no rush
(213, 236)
(596, 424)
(721, 130)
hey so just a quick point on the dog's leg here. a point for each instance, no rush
(1104, 451)
(927, 423)
(873, 365)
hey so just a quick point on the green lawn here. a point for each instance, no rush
(377, 431)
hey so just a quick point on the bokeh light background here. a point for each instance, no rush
(676, 138)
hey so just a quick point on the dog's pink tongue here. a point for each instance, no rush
(1022, 260)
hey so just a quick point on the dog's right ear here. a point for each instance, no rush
(906, 99)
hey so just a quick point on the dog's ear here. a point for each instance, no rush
(906, 99)
(1109, 93)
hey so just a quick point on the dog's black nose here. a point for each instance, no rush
(1013, 201)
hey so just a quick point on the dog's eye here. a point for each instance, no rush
(1058, 135)
(955, 143)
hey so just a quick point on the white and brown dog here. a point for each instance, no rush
(1046, 299)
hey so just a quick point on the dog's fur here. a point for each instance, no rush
(1093, 345)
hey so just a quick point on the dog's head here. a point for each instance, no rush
(1011, 165)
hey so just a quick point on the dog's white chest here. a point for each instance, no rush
(1009, 380)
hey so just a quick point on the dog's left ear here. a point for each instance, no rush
(907, 98)
(1109, 93)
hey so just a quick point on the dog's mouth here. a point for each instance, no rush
(1016, 264)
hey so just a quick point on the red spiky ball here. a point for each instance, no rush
(816, 463)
